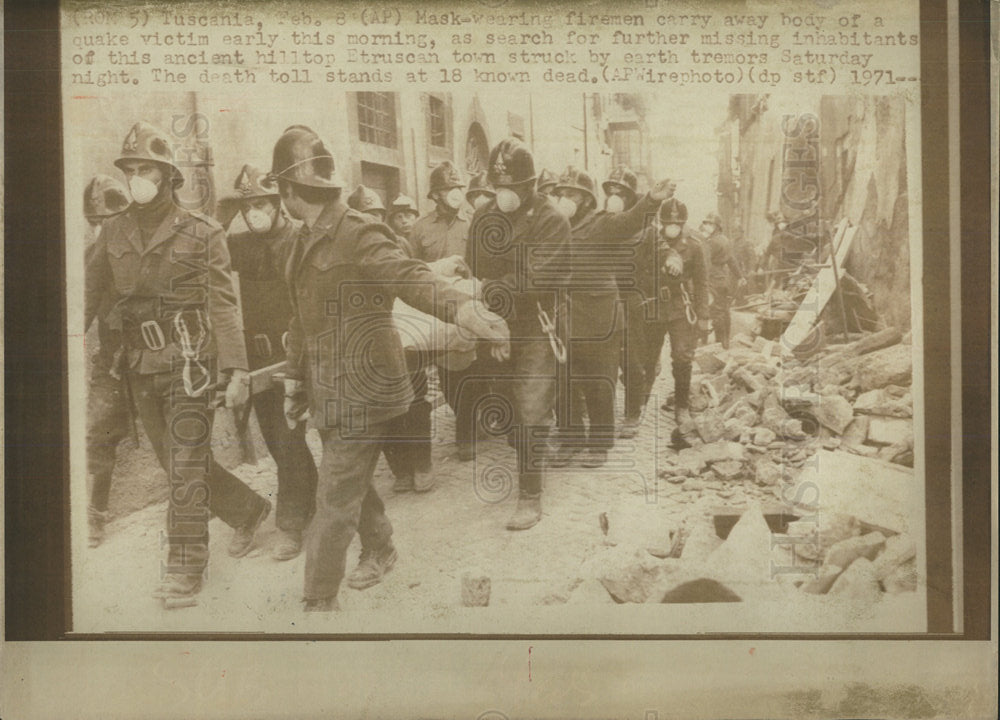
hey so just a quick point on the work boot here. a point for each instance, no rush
(423, 481)
(289, 545)
(243, 537)
(466, 452)
(527, 513)
(563, 455)
(324, 605)
(176, 585)
(630, 427)
(668, 404)
(372, 566)
(403, 484)
(594, 458)
(96, 520)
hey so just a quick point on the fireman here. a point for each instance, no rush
(443, 232)
(109, 417)
(347, 373)
(258, 258)
(725, 276)
(594, 327)
(684, 283)
(178, 315)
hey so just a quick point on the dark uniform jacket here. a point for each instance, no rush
(598, 253)
(259, 262)
(437, 235)
(723, 266)
(184, 267)
(523, 258)
(692, 282)
(344, 274)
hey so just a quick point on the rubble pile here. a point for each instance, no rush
(760, 413)
(838, 418)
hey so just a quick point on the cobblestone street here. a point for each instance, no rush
(458, 528)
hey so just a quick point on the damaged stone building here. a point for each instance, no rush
(861, 165)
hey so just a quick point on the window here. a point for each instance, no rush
(377, 119)
(438, 122)
(625, 145)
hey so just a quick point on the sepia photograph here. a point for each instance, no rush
(612, 358)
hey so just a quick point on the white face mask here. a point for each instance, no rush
(480, 200)
(615, 204)
(566, 206)
(258, 221)
(507, 200)
(672, 231)
(454, 198)
(143, 190)
(782, 225)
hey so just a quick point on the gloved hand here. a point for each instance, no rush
(451, 266)
(673, 264)
(663, 190)
(238, 389)
(741, 284)
(296, 403)
(704, 326)
(478, 321)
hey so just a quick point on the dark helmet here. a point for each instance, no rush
(623, 178)
(445, 177)
(574, 179)
(479, 186)
(403, 203)
(511, 163)
(546, 181)
(104, 197)
(146, 142)
(252, 182)
(365, 199)
(301, 157)
(672, 212)
(715, 219)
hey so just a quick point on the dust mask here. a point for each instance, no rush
(672, 231)
(615, 204)
(507, 200)
(143, 190)
(566, 207)
(258, 221)
(782, 225)
(454, 198)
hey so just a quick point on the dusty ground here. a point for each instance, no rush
(457, 528)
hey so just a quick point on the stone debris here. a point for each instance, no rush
(847, 551)
(766, 423)
(858, 583)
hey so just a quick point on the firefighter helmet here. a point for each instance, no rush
(479, 185)
(403, 203)
(546, 181)
(623, 178)
(715, 219)
(301, 157)
(252, 182)
(672, 212)
(364, 199)
(445, 177)
(574, 179)
(104, 197)
(146, 142)
(511, 163)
